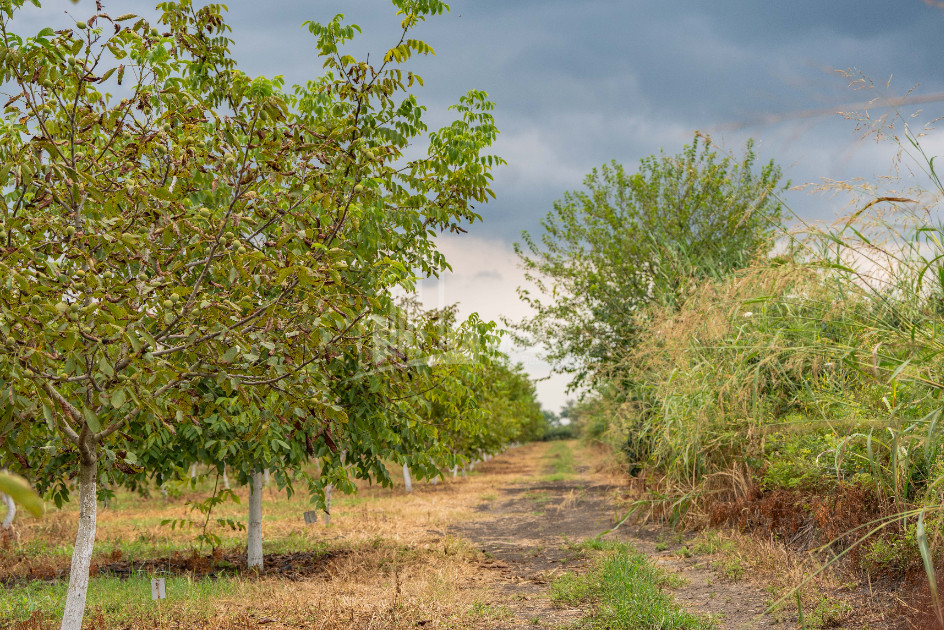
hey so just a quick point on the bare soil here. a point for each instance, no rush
(478, 552)
(529, 531)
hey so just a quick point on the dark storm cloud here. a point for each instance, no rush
(580, 83)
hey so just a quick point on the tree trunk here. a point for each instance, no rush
(434, 480)
(225, 479)
(455, 471)
(265, 478)
(406, 478)
(84, 540)
(254, 548)
(327, 516)
(11, 511)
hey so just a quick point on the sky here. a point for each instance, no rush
(578, 84)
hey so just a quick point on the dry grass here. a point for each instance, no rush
(831, 597)
(399, 567)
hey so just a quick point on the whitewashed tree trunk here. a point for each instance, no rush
(265, 477)
(225, 479)
(84, 540)
(254, 547)
(193, 470)
(327, 516)
(11, 511)
(455, 471)
(329, 488)
(434, 480)
(406, 478)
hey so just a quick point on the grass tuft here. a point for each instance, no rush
(624, 591)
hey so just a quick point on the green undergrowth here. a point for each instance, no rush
(558, 462)
(120, 600)
(624, 591)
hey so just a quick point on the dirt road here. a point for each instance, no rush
(529, 530)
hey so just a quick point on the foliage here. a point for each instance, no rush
(628, 240)
(19, 490)
(192, 257)
(816, 372)
(207, 231)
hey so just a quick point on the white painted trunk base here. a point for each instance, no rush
(406, 478)
(327, 516)
(254, 546)
(11, 511)
(82, 553)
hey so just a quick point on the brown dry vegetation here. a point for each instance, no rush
(477, 552)
(386, 560)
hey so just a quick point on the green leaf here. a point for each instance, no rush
(19, 490)
(91, 419)
(118, 398)
(50, 418)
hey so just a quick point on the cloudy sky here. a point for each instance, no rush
(578, 84)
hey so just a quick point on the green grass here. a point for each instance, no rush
(559, 462)
(120, 600)
(624, 592)
(712, 542)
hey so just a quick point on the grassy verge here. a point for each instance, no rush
(559, 462)
(624, 591)
(825, 599)
(125, 602)
(388, 562)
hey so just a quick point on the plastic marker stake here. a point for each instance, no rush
(158, 589)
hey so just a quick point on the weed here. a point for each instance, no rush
(828, 613)
(625, 592)
(559, 462)
(731, 567)
(711, 542)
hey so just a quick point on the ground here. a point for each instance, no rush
(481, 551)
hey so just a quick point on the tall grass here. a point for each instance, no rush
(818, 370)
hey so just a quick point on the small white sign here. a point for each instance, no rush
(158, 590)
(311, 517)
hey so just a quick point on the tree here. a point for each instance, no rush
(203, 237)
(627, 240)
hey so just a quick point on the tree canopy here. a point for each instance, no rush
(193, 257)
(629, 239)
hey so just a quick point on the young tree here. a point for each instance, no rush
(200, 232)
(630, 239)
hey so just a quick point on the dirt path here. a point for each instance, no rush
(529, 528)
(480, 552)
